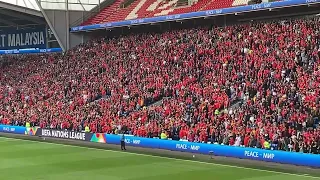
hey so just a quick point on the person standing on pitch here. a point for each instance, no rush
(122, 142)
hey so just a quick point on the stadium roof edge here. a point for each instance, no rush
(21, 9)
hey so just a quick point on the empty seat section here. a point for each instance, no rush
(193, 8)
(106, 12)
(165, 8)
(218, 4)
(147, 8)
(122, 13)
(151, 8)
(134, 13)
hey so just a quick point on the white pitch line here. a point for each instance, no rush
(223, 165)
(8, 140)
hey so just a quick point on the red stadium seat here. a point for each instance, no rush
(104, 14)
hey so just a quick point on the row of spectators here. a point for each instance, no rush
(239, 85)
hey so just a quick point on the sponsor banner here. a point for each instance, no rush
(98, 137)
(220, 150)
(11, 38)
(12, 129)
(64, 134)
(215, 12)
(31, 131)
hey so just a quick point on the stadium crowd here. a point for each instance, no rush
(239, 85)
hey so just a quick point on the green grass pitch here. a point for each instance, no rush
(29, 160)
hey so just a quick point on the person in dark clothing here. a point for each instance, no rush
(314, 148)
(122, 142)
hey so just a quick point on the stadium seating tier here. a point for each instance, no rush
(239, 85)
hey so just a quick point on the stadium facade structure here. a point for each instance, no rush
(60, 15)
(57, 15)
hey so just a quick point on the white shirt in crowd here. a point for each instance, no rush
(238, 141)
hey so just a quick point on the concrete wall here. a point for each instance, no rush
(61, 21)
